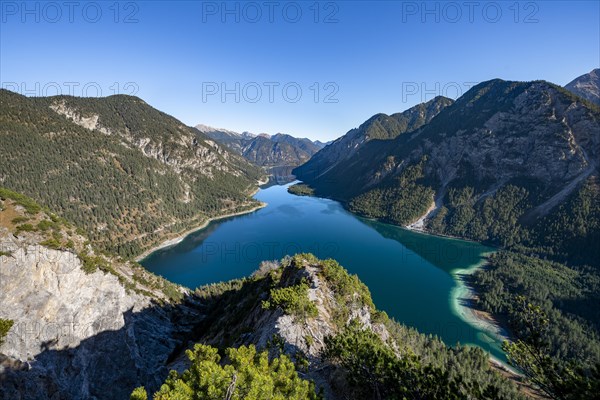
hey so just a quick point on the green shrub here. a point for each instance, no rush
(31, 207)
(293, 300)
(5, 325)
(139, 393)
(19, 220)
(51, 244)
(26, 228)
(247, 374)
(44, 225)
(91, 264)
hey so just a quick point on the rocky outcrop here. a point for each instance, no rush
(78, 333)
(586, 86)
(302, 337)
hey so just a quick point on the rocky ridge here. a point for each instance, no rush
(82, 321)
(586, 86)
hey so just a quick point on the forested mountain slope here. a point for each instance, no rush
(380, 126)
(127, 173)
(498, 137)
(512, 164)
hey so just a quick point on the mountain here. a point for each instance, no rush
(230, 139)
(74, 321)
(128, 174)
(380, 126)
(498, 133)
(587, 86)
(264, 150)
(509, 164)
(278, 150)
(322, 144)
(79, 320)
(531, 141)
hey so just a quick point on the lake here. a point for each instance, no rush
(411, 276)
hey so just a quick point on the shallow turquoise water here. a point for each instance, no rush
(409, 274)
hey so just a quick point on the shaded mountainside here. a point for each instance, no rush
(499, 138)
(279, 150)
(380, 126)
(129, 174)
(513, 164)
(586, 86)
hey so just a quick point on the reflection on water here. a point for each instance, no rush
(444, 253)
(410, 275)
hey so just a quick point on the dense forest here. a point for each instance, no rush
(401, 202)
(131, 177)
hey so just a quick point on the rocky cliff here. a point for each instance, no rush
(586, 86)
(84, 325)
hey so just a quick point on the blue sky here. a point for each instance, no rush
(310, 69)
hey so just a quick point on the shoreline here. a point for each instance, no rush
(474, 317)
(180, 237)
(463, 298)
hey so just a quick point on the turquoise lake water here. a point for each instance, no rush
(409, 274)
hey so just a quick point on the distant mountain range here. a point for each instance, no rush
(278, 153)
(587, 86)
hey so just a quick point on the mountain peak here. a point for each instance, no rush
(587, 86)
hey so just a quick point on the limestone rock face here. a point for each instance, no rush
(75, 335)
(587, 86)
(182, 149)
(54, 304)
